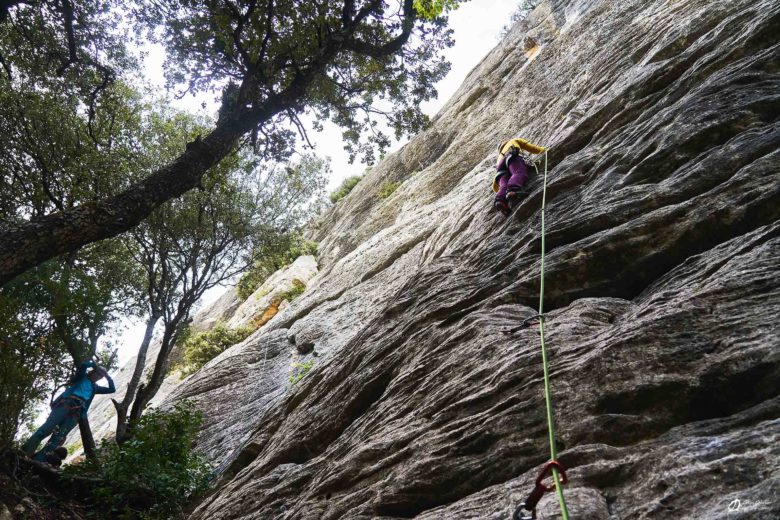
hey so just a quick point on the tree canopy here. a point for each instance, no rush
(273, 62)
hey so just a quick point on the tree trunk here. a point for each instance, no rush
(60, 293)
(135, 379)
(149, 390)
(32, 243)
(87, 440)
(27, 245)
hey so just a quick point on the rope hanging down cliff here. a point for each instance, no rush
(553, 466)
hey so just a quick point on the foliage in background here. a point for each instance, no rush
(289, 194)
(367, 62)
(345, 187)
(28, 359)
(74, 448)
(524, 7)
(78, 129)
(430, 9)
(288, 197)
(27, 366)
(72, 133)
(153, 474)
(202, 347)
(388, 188)
(367, 80)
(298, 287)
(276, 252)
(300, 370)
(69, 125)
(207, 236)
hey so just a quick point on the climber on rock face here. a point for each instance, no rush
(512, 172)
(68, 408)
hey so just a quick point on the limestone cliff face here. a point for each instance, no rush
(662, 293)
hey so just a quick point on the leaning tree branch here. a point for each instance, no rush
(391, 47)
(364, 12)
(70, 36)
(300, 127)
(29, 244)
(348, 11)
(107, 79)
(269, 30)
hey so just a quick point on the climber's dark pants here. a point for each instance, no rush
(64, 417)
(513, 178)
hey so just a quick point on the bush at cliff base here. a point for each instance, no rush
(151, 475)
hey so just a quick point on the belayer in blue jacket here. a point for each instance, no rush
(69, 406)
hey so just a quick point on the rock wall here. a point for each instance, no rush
(662, 293)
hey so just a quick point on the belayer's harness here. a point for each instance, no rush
(73, 404)
(553, 467)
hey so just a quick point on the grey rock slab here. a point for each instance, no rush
(242, 382)
(220, 310)
(5, 514)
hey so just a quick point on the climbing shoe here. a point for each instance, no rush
(502, 207)
(514, 196)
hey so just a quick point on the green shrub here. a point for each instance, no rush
(272, 255)
(73, 448)
(297, 289)
(152, 474)
(200, 348)
(346, 186)
(524, 7)
(300, 370)
(388, 188)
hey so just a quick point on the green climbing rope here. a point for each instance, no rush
(548, 399)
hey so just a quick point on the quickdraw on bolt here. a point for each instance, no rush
(539, 490)
(531, 320)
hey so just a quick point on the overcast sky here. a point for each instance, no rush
(476, 25)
